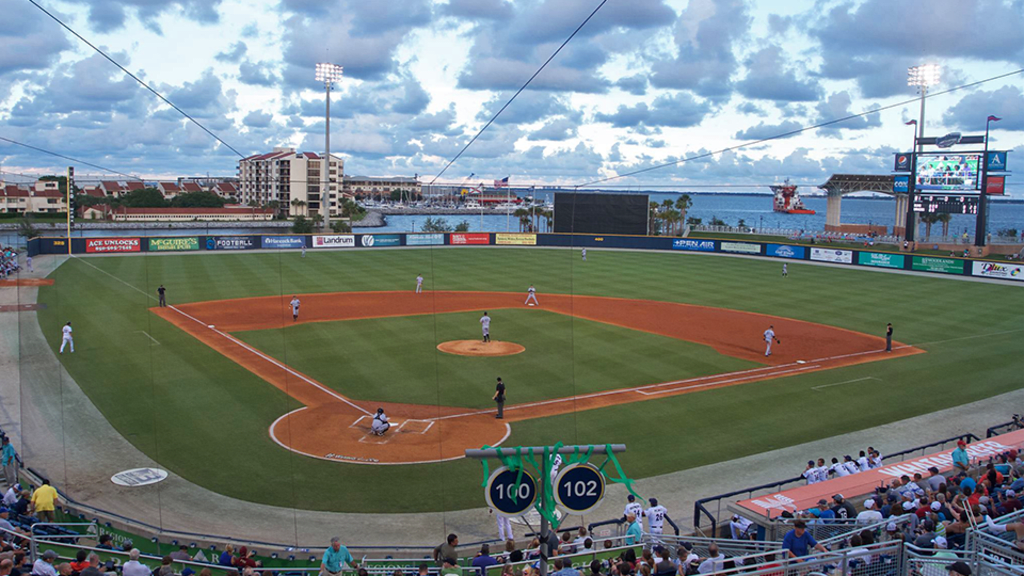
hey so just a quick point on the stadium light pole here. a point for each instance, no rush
(981, 229)
(922, 77)
(328, 74)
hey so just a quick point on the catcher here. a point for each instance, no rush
(380, 423)
(769, 337)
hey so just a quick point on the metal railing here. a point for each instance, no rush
(1015, 424)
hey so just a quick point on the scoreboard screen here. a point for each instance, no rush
(946, 204)
(948, 172)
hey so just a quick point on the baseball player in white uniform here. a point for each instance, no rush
(380, 423)
(556, 463)
(504, 526)
(67, 339)
(633, 507)
(295, 308)
(28, 262)
(485, 325)
(785, 269)
(531, 294)
(584, 254)
(419, 283)
(769, 336)
(656, 516)
(303, 250)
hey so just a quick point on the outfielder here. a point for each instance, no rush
(419, 283)
(303, 249)
(67, 339)
(531, 294)
(769, 336)
(785, 270)
(584, 254)
(380, 423)
(485, 325)
(295, 308)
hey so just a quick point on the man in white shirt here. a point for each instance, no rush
(851, 466)
(714, 561)
(870, 515)
(44, 565)
(740, 528)
(133, 567)
(66, 338)
(862, 462)
(810, 473)
(632, 507)
(485, 326)
(769, 337)
(822, 470)
(656, 516)
(874, 458)
(11, 496)
(838, 468)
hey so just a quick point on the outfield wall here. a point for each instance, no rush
(781, 251)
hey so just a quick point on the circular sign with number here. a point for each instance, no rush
(579, 488)
(501, 487)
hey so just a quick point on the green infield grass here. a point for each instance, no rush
(205, 418)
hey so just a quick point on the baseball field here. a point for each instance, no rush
(661, 351)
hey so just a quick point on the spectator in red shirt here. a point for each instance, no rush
(245, 558)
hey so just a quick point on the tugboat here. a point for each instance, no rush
(787, 199)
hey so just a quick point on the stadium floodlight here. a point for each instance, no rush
(329, 74)
(924, 75)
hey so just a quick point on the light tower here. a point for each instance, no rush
(328, 74)
(921, 76)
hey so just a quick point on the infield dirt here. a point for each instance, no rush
(332, 427)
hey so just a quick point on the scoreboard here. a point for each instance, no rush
(946, 204)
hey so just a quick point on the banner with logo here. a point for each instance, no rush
(100, 245)
(994, 270)
(786, 251)
(424, 240)
(466, 238)
(694, 245)
(995, 185)
(380, 240)
(230, 242)
(282, 241)
(829, 255)
(881, 260)
(515, 239)
(942, 265)
(902, 163)
(996, 162)
(740, 247)
(174, 243)
(334, 241)
(901, 184)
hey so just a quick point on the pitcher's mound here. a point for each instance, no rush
(478, 348)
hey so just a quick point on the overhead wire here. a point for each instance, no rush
(521, 88)
(44, 151)
(137, 79)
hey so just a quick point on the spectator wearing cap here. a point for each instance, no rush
(133, 567)
(1009, 503)
(892, 532)
(887, 508)
(798, 542)
(44, 565)
(961, 461)
(935, 480)
(843, 509)
(870, 515)
(106, 542)
(927, 537)
(824, 513)
(959, 569)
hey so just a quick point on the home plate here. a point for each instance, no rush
(798, 361)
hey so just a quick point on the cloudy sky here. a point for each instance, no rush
(645, 82)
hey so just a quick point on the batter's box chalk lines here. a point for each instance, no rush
(356, 424)
(864, 379)
(414, 426)
(727, 381)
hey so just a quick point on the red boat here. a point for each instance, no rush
(787, 199)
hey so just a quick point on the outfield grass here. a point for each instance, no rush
(563, 357)
(205, 418)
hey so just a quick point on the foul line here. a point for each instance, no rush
(729, 381)
(273, 361)
(146, 294)
(971, 337)
(148, 336)
(845, 382)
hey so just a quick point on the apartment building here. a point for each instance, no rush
(293, 179)
(379, 187)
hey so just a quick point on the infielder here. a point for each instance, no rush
(632, 507)
(380, 423)
(161, 292)
(67, 339)
(584, 254)
(656, 516)
(888, 337)
(769, 336)
(785, 270)
(485, 325)
(295, 308)
(531, 294)
(419, 283)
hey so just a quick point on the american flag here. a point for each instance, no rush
(503, 183)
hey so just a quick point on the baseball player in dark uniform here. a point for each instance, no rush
(499, 398)
(888, 337)
(160, 291)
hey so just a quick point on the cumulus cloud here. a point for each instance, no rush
(29, 40)
(558, 129)
(108, 15)
(763, 130)
(257, 74)
(838, 106)
(680, 110)
(478, 9)
(771, 77)
(972, 110)
(234, 53)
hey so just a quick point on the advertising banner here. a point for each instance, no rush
(740, 247)
(173, 243)
(282, 241)
(424, 240)
(230, 243)
(694, 245)
(805, 497)
(996, 162)
(1004, 271)
(901, 184)
(786, 251)
(380, 240)
(902, 163)
(515, 239)
(464, 238)
(881, 260)
(829, 255)
(98, 245)
(943, 265)
(334, 241)
(995, 185)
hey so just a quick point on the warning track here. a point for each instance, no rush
(331, 426)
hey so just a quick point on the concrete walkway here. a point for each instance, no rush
(60, 433)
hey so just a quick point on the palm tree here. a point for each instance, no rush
(652, 215)
(521, 213)
(945, 218)
(928, 220)
(299, 205)
(683, 203)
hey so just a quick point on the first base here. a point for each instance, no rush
(209, 325)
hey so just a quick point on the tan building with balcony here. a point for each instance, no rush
(293, 179)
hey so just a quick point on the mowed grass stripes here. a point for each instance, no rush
(205, 418)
